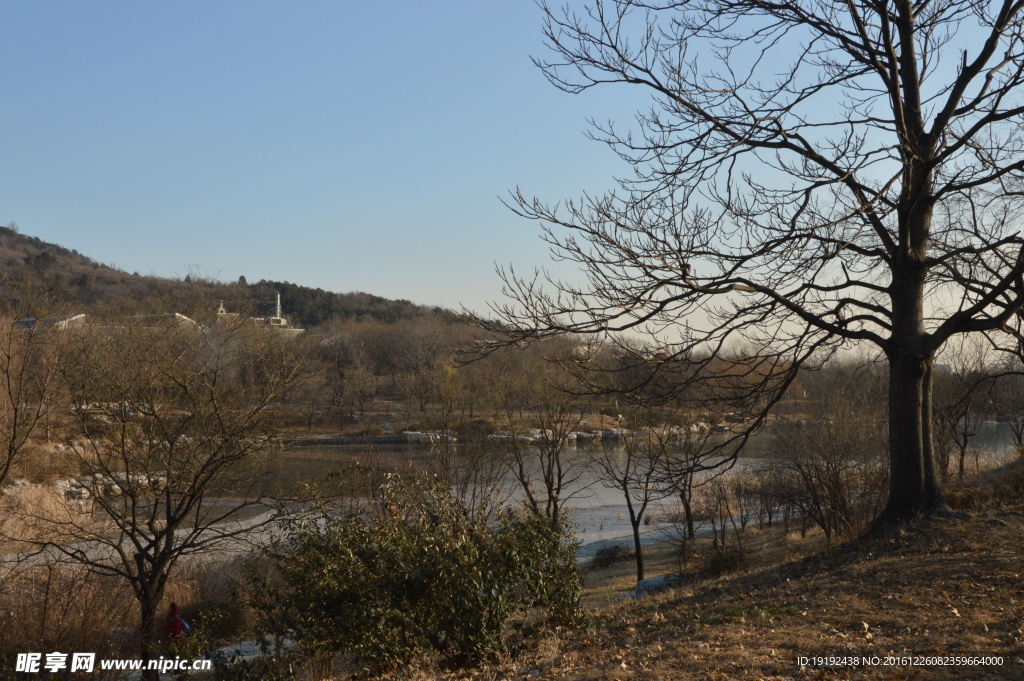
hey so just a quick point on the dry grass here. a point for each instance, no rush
(65, 608)
(937, 588)
(35, 513)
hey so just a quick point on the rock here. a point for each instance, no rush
(430, 437)
(652, 585)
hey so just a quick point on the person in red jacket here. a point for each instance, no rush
(176, 626)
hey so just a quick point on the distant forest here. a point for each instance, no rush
(38, 276)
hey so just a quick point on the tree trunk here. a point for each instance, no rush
(913, 487)
(638, 549)
(635, 517)
(686, 497)
(147, 636)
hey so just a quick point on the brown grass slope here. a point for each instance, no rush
(936, 588)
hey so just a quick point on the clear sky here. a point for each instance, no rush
(346, 145)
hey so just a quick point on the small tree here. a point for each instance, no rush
(829, 458)
(532, 390)
(1007, 396)
(961, 399)
(633, 467)
(694, 453)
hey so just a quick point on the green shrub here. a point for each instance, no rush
(418, 572)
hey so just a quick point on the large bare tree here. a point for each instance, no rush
(810, 174)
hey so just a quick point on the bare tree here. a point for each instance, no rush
(467, 466)
(693, 455)
(714, 505)
(420, 352)
(352, 371)
(308, 400)
(811, 174)
(473, 386)
(170, 420)
(828, 459)
(633, 467)
(532, 391)
(29, 360)
(962, 396)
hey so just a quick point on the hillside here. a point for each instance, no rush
(939, 588)
(35, 274)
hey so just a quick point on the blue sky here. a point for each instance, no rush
(345, 145)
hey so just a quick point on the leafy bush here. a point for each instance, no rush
(418, 572)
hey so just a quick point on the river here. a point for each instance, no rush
(599, 513)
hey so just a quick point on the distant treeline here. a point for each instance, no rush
(36, 274)
(314, 306)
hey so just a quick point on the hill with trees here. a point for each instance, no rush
(33, 270)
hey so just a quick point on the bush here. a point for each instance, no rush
(418, 572)
(606, 556)
(265, 667)
(724, 561)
